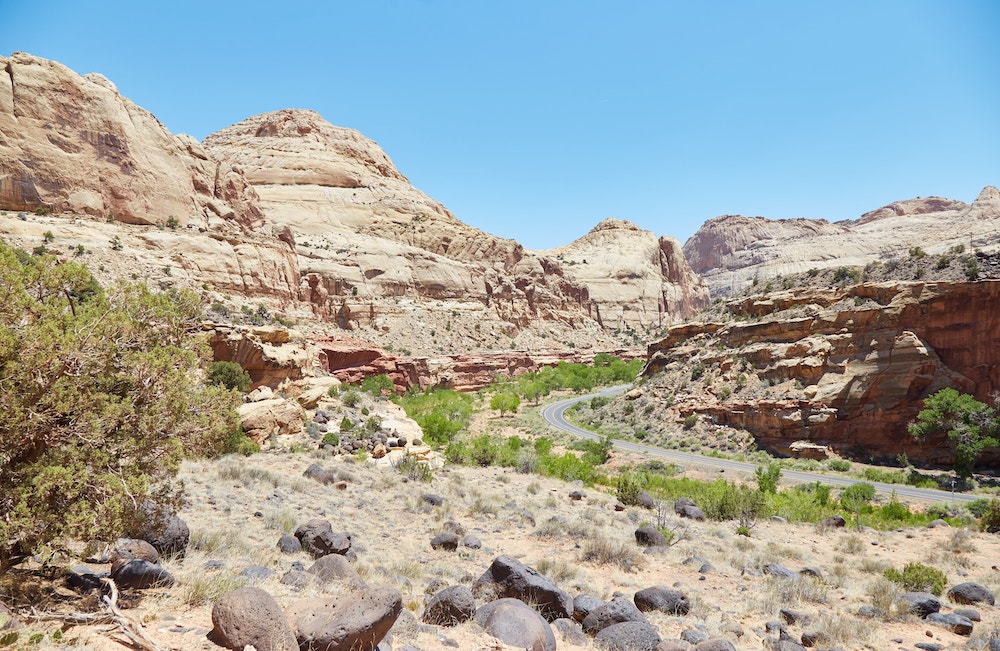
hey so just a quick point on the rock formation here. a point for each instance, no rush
(731, 251)
(844, 368)
(634, 279)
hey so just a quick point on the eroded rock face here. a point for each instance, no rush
(860, 367)
(634, 278)
(731, 250)
(73, 143)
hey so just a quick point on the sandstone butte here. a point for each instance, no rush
(308, 219)
(863, 358)
(730, 251)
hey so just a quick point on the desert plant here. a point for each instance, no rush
(690, 421)
(378, 385)
(768, 478)
(971, 425)
(99, 403)
(413, 469)
(505, 402)
(229, 375)
(602, 551)
(350, 398)
(917, 577)
(331, 438)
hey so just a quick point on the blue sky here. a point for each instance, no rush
(535, 120)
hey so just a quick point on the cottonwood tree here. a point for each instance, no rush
(99, 403)
(970, 424)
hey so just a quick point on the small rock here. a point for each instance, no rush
(289, 544)
(650, 537)
(663, 599)
(954, 623)
(715, 644)
(139, 575)
(508, 577)
(616, 611)
(317, 473)
(257, 572)
(921, 604)
(693, 636)
(250, 616)
(570, 632)
(471, 542)
(583, 605)
(834, 522)
(447, 541)
(934, 524)
(512, 622)
(450, 606)
(432, 499)
(774, 569)
(972, 615)
(628, 636)
(692, 513)
(795, 617)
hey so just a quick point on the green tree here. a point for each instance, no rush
(970, 425)
(378, 385)
(229, 375)
(768, 478)
(504, 402)
(99, 403)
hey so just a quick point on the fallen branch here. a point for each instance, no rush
(131, 630)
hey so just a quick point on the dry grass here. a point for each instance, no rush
(847, 629)
(851, 544)
(602, 551)
(884, 595)
(557, 569)
(779, 593)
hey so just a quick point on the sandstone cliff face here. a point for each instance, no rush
(634, 279)
(845, 368)
(113, 177)
(72, 143)
(731, 251)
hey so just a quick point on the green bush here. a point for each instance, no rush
(690, 421)
(346, 424)
(331, 438)
(229, 375)
(628, 488)
(990, 519)
(441, 413)
(768, 478)
(351, 398)
(239, 443)
(917, 577)
(378, 385)
(414, 470)
(543, 445)
(840, 465)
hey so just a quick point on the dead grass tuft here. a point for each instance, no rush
(602, 551)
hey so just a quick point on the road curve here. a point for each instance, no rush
(554, 416)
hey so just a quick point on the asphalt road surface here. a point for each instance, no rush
(554, 416)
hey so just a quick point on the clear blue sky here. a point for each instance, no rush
(536, 119)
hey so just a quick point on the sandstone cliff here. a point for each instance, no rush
(634, 278)
(844, 368)
(114, 177)
(731, 251)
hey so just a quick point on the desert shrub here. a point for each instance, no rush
(990, 519)
(884, 595)
(351, 398)
(768, 478)
(690, 421)
(458, 453)
(414, 470)
(441, 414)
(229, 375)
(346, 424)
(99, 403)
(697, 371)
(628, 488)
(239, 443)
(378, 385)
(543, 445)
(917, 577)
(602, 551)
(840, 465)
(895, 510)
(504, 402)
(331, 438)
(917, 253)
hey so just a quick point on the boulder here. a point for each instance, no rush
(140, 575)
(289, 544)
(514, 623)
(318, 538)
(127, 549)
(921, 604)
(774, 569)
(616, 611)
(446, 540)
(692, 513)
(509, 577)
(472, 542)
(250, 616)
(834, 522)
(583, 605)
(971, 593)
(266, 418)
(166, 532)
(571, 632)
(336, 568)
(955, 623)
(628, 636)
(663, 599)
(650, 537)
(315, 471)
(352, 622)
(450, 606)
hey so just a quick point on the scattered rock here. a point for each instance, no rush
(357, 620)
(314, 471)
(834, 522)
(663, 599)
(472, 542)
(449, 607)
(127, 549)
(318, 538)
(576, 496)
(140, 575)
(432, 499)
(972, 615)
(251, 616)
(692, 513)
(514, 623)
(715, 644)
(583, 605)
(650, 537)
(775, 569)
(447, 541)
(509, 577)
(628, 636)
(921, 603)
(646, 500)
(616, 611)
(953, 622)
(166, 532)
(795, 617)
(79, 578)
(570, 631)
(971, 593)
(289, 544)
(454, 527)
(812, 638)
(297, 579)
(333, 568)
(257, 572)
(934, 524)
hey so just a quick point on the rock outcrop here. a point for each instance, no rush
(731, 251)
(635, 280)
(843, 368)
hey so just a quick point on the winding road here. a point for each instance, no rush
(554, 415)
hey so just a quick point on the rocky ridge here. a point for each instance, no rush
(730, 251)
(843, 369)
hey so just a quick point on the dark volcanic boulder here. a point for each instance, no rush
(319, 539)
(446, 540)
(166, 532)
(508, 577)
(921, 604)
(971, 592)
(663, 599)
(250, 616)
(650, 537)
(140, 574)
(616, 611)
(514, 623)
(583, 604)
(449, 607)
(334, 567)
(356, 620)
(628, 636)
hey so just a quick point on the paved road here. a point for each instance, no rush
(554, 416)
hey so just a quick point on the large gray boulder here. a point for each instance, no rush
(921, 604)
(650, 537)
(140, 575)
(250, 616)
(663, 599)
(616, 611)
(450, 606)
(628, 636)
(166, 532)
(334, 568)
(971, 592)
(509, 577)
(352, 622)
(514, 623)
